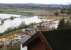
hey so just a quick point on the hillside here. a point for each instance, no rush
(34, 6)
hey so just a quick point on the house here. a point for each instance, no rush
(36, 42)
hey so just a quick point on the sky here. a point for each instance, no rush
(37, 1)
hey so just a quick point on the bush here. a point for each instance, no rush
(64, 25)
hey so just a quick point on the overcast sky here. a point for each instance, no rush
(37, 1)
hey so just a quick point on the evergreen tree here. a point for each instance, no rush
(61, 24)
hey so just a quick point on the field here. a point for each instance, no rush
(15, 11)
(23, 11)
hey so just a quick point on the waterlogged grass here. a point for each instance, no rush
(13, 48)
(11, 31)
(14, 30)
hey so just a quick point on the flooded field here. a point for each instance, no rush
(14, 21)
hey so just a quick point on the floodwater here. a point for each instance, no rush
(16, 22)
(7, 23)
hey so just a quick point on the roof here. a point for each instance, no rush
(16, 37)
